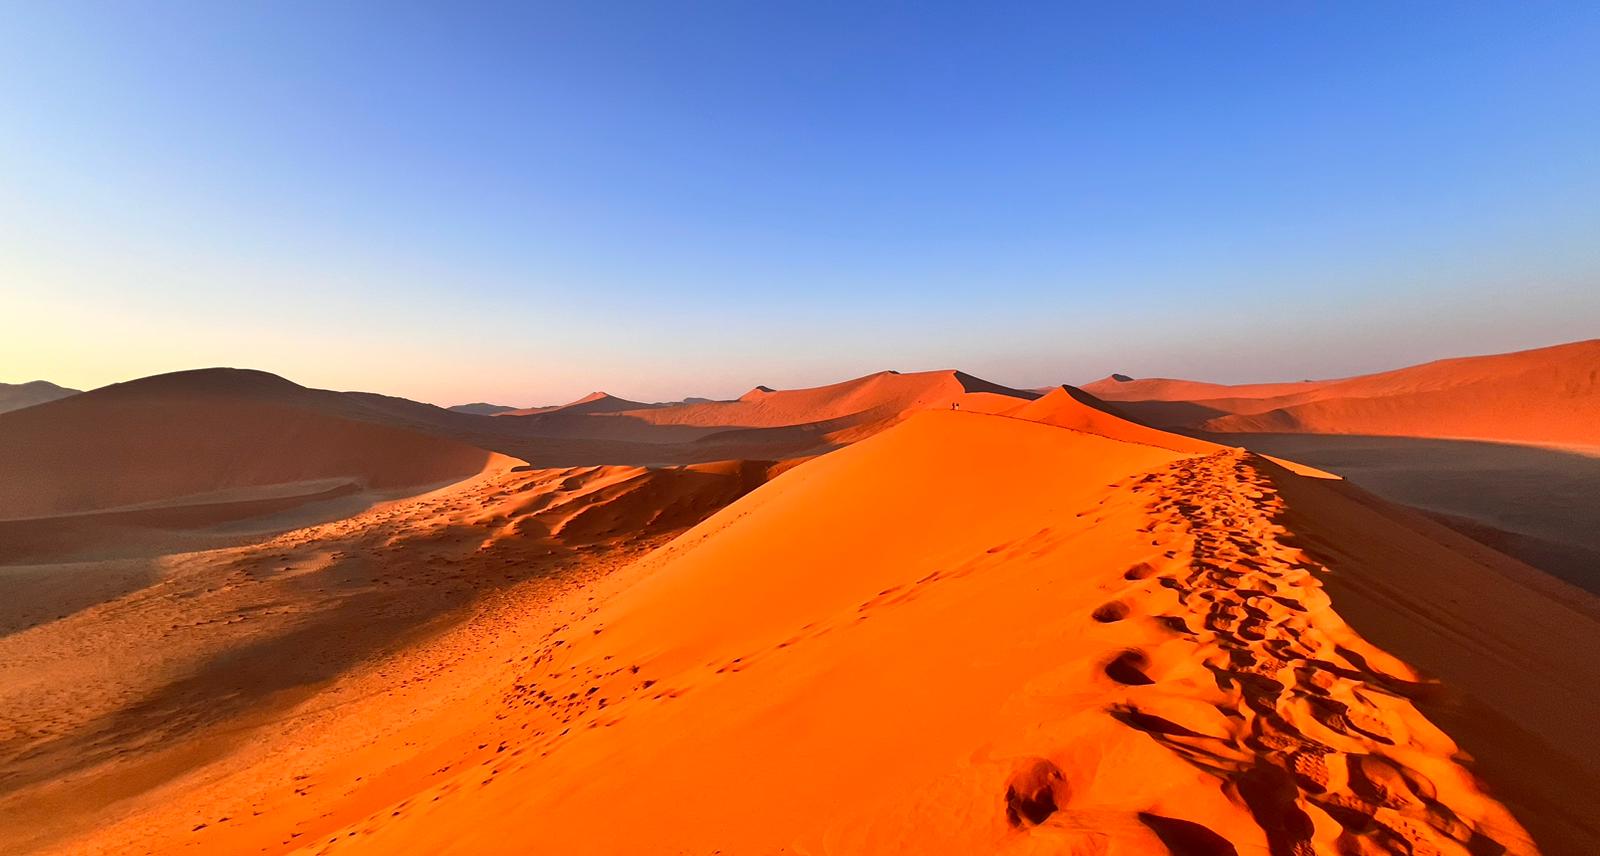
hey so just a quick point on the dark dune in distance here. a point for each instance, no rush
(196, 436)
(481, 408)
(15, 396)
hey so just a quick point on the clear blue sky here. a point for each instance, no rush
(524, 202)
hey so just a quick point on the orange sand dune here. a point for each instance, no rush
(1124, 388)
(968, 634)
(764, 423)
(187, 666)
(1546, 395)
(864, 399)
(190, 436)
(1068, 407)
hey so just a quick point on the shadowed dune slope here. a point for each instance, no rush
(201, 436)
(481, 408)
(976, 634)
(15, 396)
(594, 402)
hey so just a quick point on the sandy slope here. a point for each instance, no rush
(1549, 395)
(864, 399)
(1067, 407)
(764, 424)
(1546, 395)
(185, 668)
(15, 396)
(970, 634)
(1532, 502)
(199, 437)
(594, 402)
(1122, 388)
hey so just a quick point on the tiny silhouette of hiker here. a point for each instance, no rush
(955, 405)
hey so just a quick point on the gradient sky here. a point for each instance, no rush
(520, 203)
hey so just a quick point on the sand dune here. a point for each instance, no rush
(1456, 437)
(1068, 407)
(199, 437)
(1025, 626)
(602, 429)
(1549, 395)
(1546, 395)
(481, 408)
(762, 424)
(968, 634)
(862, 400)
(594, 402)
(257, 641)
(1123, 388)
(1534, 503)
(15, 396)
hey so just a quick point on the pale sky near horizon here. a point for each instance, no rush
(520, 203)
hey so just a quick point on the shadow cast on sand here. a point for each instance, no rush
(1536, 504)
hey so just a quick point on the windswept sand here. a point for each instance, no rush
(970, 633)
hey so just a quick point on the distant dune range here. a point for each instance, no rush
(905, 613)
(15, 396)
(1504, 447)
(221, 455)
(1547, 395)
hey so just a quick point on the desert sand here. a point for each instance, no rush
(199, 438)
(1548, 396)
(1504, 447)
(15, 396)
(1020, 625)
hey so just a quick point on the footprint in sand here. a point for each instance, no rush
(1128, 668)
(1035, 790)
(1107, 613)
